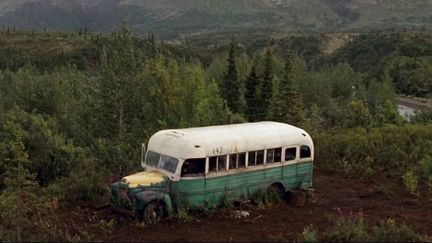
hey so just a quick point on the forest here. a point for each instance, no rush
(76, 106)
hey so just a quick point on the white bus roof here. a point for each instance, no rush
(200, 142)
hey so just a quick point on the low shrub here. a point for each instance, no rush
(389, 231)
(410, 180)
(309, 234)
(366, 152)
(263, 197)
(353, 228)
(184, 215)
(348, 229)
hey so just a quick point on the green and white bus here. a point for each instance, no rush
(200, 167)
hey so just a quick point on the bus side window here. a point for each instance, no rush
(193, 167)
(252, 158)
(241, 160)
(305, 152)
(232, 161)
(212, 164)
(290, 154)
(222, 163)
(260, 157)
(270, 156)
(277, 154)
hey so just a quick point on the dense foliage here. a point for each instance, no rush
(74, 118)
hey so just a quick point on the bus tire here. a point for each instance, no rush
(153, 212)
(278, 189)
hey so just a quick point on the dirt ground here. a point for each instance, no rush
(378, 200)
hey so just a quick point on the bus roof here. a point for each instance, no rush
(200, 142)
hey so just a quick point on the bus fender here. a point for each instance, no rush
(143, 198)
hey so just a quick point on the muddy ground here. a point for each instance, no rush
(377, 199)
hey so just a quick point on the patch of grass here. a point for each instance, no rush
(309, 234)
(263, 197)
(350, 228)
(106, 225)
(410, 180)
(184, 215)
(209, 209)
(353, 228)
(389, 231)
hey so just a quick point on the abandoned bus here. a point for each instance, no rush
(200, 167)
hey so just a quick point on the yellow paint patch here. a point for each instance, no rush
(144, 178)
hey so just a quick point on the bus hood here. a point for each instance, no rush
(145, 178)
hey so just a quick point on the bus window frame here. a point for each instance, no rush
(305, 158)
(297, 148)
(255, 166)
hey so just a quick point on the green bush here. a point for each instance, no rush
(263, 197)
(85, 183)
(388, 231)
(309, 234)
(425, 167)
(362, 152)
(348, 229)
(57, 190)
(227, 200)
(354, 229)
(184, 215)
(410, 180)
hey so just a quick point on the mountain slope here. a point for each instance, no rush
(172, 17)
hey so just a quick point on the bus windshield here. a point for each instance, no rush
(161, 161)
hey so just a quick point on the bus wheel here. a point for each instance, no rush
(153, 212)
(277, 190)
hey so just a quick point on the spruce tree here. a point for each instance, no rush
(251, 95)
(152, 40)
(428, 78)
(230, 84)
(287, 104)
(85, 32)
(266, 86)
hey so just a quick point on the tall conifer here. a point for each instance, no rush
(287, 104)
(251, 95)
(266, 86)
(230, 84)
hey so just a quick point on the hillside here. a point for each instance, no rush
(169, 18)
(76, 107)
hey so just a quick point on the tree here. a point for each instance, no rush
(201, 103)
(251, 95)
(428, 78)
(381, 101)
(119, 66)
(357, 115)
(152, 45)
(266, 86)
(85, 32)
(230, 83)
(287, 104)
(18, 182)
(342, 82)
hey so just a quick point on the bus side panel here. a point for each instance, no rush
(240, 185)
(290, 179)
(188, 192)
(304, 174)
(298, 175)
